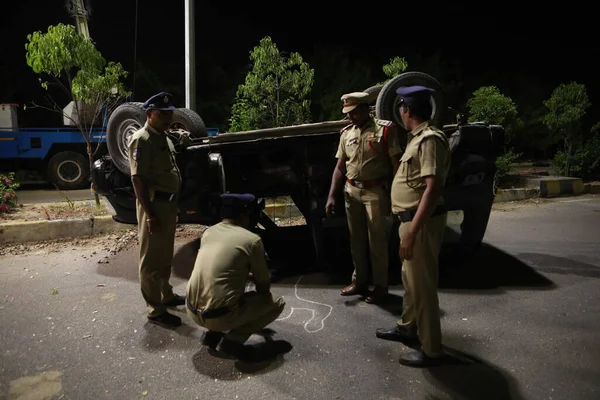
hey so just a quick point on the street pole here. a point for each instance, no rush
(190, 56)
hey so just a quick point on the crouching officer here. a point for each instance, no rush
(216, 297)
(368, 155)
(418, 203)
(156, 180)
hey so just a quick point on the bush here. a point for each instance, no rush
(584, 163)
(503, 166)
(8, 197)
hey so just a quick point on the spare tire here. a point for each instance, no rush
(387, 106)
(373, 93)
(188, 120)
(124, 121)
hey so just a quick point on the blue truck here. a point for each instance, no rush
(58, 155)
(55, 155)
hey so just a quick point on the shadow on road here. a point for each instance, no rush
(560, 265)
(488, 268)
(469, 378)
(215, 366)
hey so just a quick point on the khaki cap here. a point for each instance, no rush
(352, 100)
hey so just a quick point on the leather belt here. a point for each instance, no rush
(158, 195)
(366, 184)
(407, 216)
(209, 314)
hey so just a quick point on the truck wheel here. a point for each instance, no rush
(69, 170)
(124, 121)
(388, 101)
(373, 93)
(189, 120)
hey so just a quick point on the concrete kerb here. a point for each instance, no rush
(33, 231)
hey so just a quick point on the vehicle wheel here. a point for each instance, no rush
(387, 106)
(69, 170)
(189, 120)
(373, 93)
(124, 121)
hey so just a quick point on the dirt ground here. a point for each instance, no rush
(53, 211)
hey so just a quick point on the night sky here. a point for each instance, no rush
(491, 48)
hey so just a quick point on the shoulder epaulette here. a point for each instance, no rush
(384, 122)
(346, 127)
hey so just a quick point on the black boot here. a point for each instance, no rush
(212, 338)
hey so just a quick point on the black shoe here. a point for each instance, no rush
(166, 320)
(397, 334)
(231, 349)
(212, 338)
(418, 358)
(175, 301)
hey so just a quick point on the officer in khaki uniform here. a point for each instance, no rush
(368, 156)
(156, 180)
(418, 203)
(216, 292)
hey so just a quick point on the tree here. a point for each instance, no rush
(396, 66)
(77, 67)
(336, 74)
(489, 105)
(275, 92)
(566, 107)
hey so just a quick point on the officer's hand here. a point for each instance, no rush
(185, 139)
(153, 225)
(406, 246)
(330, 207)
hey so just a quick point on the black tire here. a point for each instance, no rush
(69, 170)
(124, 121)
(388, 100)
(373, 93)
(189, 120)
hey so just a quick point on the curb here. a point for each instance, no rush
(34, 231)
(554, 186)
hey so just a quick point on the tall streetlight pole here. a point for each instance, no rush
(190, 56)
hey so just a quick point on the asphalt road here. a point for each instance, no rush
(520, 318)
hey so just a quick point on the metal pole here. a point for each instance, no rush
(190, 56)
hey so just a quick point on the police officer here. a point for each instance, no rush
(417, 201)
(156, 181)
(367, 154)
(216, 297)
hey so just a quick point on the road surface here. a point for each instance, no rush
(521, 318)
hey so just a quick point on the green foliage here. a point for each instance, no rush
(566, 107)
(504, 166)
(76, 65)
(489, 105)
(275, 92)
(584, 163)
(8, 195)
(395, 67)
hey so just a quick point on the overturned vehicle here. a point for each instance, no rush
(298, 161)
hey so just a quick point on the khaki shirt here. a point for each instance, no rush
(227, 253)
(427, 153)
(368, 150)
(152, 155)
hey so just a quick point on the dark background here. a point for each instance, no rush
(525, 54)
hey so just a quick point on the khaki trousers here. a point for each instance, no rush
(156, 255)
(366, 212)
(420, 280)
(254, 313)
